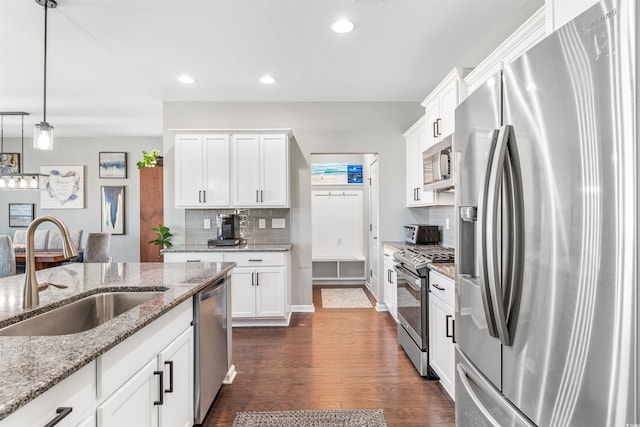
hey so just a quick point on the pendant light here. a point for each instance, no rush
(16, 180)
(43, 132)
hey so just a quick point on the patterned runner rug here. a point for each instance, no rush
(323, 418)
(344, 298)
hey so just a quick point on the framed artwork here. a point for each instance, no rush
(334, 173)
(9, 162)
(112, 165)
(112, 204)
(21, 214)
(63, 188)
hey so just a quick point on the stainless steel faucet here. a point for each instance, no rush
(31, 297)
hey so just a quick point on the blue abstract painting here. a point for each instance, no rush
(113, 209)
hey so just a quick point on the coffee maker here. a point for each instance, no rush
(227, 230)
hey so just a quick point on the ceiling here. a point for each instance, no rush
(112, 63)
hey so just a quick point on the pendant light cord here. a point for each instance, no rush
(44, 108)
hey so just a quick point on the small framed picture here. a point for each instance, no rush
(21, 214)
(9, 163)
(112, 203)
(112, 165)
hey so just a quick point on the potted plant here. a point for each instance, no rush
(150, 159)
(164, 237)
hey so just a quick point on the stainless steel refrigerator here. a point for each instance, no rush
(547, 296)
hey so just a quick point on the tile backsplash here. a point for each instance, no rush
(250, 230)
(437, 216)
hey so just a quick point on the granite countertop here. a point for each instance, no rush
(447, 269)
(32, 365)
(247, 247)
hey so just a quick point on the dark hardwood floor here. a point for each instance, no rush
(330, 359)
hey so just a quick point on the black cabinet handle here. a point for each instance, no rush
(204, 196)
(255, 260)
(448, 317)
(257, 279)
(170, 363)
(453, 330)
(435, 132)
(200, 196)
(257, 196)
(161, 401)
(438, 287)
(253, 281)
(62, 412)
(261, 194)
(438, 127)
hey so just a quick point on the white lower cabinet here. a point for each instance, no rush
(441, 330)
(260, 288)
(159, 394)
(390, 284)
(72, 402)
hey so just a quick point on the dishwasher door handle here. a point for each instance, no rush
(212, 290)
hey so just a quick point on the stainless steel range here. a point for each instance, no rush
(413, 300)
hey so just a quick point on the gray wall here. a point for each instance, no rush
(317, 128)
(84, 151)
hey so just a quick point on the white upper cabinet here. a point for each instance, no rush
(260, 170)
(202, 171)
(416, 140)
(559, 12)
(441, 104)
(522, 39)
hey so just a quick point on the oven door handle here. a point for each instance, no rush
(411, 278)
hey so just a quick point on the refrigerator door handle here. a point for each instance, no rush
(464, 379)
(505, 173)
(481, 243)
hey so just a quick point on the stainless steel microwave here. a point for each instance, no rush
(437, 166)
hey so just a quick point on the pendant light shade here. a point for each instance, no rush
(43, 132)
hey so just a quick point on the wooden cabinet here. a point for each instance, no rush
(260, 170)
(260, 288)
(77, 392)
(202, 171)
(151, 211)
(390, 284)
(441, 330)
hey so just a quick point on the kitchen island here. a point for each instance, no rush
(31, 365)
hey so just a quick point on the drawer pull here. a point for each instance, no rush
(255, 260)
(62, 412)
(438, 287)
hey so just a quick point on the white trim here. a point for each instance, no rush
(528, 34)
(231, 375)
(287, 131)
(242, 322)
(381, 307)
(309, 308)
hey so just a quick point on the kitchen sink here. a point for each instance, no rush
(79, 316)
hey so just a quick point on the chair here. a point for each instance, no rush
(7, 257)
(97, 247)
(55, 239)
(40, 238)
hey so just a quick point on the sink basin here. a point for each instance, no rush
(79, 316)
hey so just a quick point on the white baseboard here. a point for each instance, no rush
(381, 307)
(303, 308)
(231, 374)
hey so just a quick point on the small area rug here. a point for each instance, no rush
(323, 418)
(344, 298)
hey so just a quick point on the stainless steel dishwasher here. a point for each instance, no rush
(210, 329)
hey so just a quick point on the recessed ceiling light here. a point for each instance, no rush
(188, 80)
(267, 80)
(342, 26)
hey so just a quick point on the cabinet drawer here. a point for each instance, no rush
(442, 287)
(76, 391)
(193, 256)
(251, 259)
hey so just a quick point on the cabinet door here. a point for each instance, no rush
(176, 361)
(432, 123)
(274, 165)
(243, 294)
(246, 170)
(189, 171)
(270, 286)
(133, 403)
(414, 169)
(448, 103)
(424, 197)
(217, 159)
(442, 349)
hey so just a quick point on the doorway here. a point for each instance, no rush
(343, 223)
